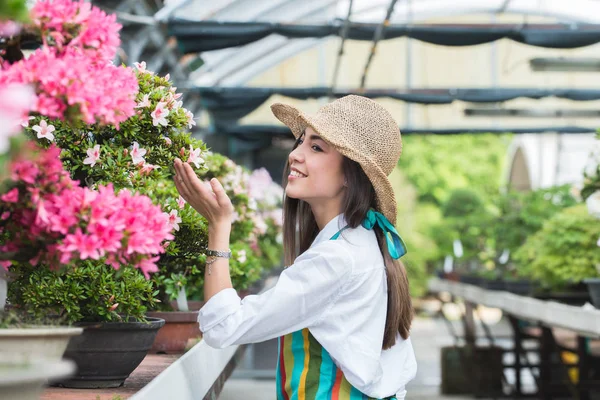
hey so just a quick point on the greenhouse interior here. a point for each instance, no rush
(299, 199)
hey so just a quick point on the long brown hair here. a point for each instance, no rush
(300, 229)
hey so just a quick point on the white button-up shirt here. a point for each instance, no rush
(337, 289)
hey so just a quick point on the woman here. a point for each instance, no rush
(342, 309)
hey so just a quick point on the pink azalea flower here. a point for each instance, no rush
(15, 102)
(137, 154)
(85, 245)
(159, 115)
(181, 202)
(93, 155)
(167, 141)
(173, 219)
(11, 197)
(24, 171)
(195, 157)
(79, 223)
(147, 168)
(9, 28)
(145, 102)
(148, 265)
(67, 83)
(78, 24)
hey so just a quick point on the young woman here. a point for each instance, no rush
(342, 309)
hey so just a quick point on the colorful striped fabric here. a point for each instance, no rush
(305, 371)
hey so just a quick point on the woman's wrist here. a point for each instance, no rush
(218, 236)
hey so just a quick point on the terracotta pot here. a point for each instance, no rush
(180, 326)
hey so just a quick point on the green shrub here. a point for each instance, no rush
(565, 250)
(93, 292)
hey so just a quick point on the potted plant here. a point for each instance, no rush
(57, 229)
(520, 216)
(563, 252)
(25, 370)
(79, 257)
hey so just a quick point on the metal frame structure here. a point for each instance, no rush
(234, 67)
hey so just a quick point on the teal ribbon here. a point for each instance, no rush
(395, 244)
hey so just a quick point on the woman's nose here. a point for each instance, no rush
(296, 155)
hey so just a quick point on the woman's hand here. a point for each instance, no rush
(213, 204)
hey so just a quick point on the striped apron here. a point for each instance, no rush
(306, 371)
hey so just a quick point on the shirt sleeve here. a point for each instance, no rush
(302, 295)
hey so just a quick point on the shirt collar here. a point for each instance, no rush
(336, 223)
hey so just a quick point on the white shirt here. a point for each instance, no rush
(337, 289)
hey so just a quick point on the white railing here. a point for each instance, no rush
(583, 321)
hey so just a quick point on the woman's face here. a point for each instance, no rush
(316, 174)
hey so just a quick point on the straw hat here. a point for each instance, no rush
(361, 130)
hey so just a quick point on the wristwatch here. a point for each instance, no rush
(218, 253)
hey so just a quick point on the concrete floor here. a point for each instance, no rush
(429, 335)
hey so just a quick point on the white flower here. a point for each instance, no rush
(44, 130)
(593, 204)
(137, 154)
(241, 257)
(167, 141)
(168, 77)
(159, 115)
(195, 157)
(145, 102)
(181, 202)
(141, 66)
(174, 219)
(190, 119)
(93, 155)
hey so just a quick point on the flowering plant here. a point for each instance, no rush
(122, 129)
(54, 217)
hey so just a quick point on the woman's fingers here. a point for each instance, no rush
(181, 188)
(193, 190)
(220, 195)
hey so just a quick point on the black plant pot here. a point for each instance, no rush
(470, 279)
(493, 284)
(574, 295)
(522, 286)
(593, 285)
(106, 353)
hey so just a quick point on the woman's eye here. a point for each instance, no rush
(316, 148)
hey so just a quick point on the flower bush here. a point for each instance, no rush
(59, 223)
(117, 131)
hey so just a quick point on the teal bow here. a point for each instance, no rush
(395, 245)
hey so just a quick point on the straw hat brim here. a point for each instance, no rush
(297, 121)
